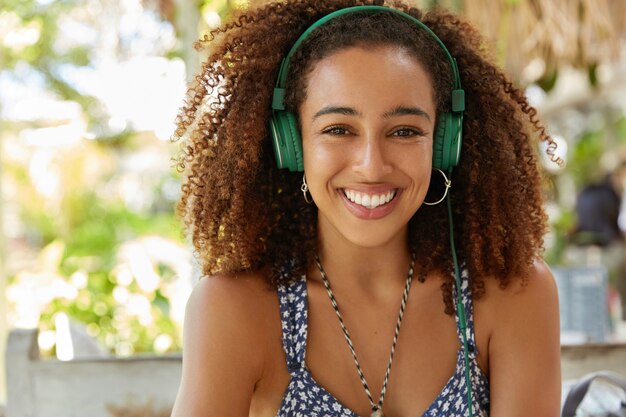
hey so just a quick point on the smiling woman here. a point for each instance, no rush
(370, 114)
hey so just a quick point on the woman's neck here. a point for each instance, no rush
(379, 270)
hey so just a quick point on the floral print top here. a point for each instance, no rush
(304, 397)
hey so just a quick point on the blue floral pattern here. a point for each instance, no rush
(304, 397)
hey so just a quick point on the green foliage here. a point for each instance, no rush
(584, 163)
(561, 228)
(42, 55)
(92, 230)
(83, 229)
(548, 80)
(592, 74)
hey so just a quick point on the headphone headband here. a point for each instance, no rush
(278, 102)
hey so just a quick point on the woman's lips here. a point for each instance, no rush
(370, 200)
(370, 205)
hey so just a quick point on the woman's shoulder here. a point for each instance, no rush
(538, 285)
(501, 305)
(519, 304)
(232, 301)
(241, 287)
(525, 303)
(230, 322)
(522, 320)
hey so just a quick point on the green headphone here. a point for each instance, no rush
(284, 125)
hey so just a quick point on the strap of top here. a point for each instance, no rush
(293, 316)
(466, 296)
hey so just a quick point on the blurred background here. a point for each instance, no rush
(90, 248)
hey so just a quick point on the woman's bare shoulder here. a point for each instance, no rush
(538, 284)
(228, 321)
(243, 306)
(524, 344)
(248, 291)
(501, 306)
(231, 302)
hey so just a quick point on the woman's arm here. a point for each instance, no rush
(222, 360)
(524, 349)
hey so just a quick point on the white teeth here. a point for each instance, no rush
(369, 201)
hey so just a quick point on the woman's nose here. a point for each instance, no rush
(372, 162)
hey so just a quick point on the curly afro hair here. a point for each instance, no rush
(243, 213)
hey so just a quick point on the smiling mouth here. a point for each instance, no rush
(370, 201)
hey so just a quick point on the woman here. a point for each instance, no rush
(309, 302)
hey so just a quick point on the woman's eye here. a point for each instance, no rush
(336, 130)
(407, 132)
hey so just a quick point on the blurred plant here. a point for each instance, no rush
(86, 92)
(558, 239)
(596, 145)
(586, 156)
(123, 272)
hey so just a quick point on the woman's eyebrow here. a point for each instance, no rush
(349, 111)
(403, 110)
(346, 111)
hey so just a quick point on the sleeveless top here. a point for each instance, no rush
(304, 397)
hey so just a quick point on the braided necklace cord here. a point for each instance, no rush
(376, 408)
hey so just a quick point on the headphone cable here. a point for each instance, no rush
(460, 305)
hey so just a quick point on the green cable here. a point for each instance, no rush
(460, 305)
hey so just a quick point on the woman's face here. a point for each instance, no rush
(367, 126)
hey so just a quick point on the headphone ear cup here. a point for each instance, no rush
(438, 142)
(287, 141)
(447, 141)
(296, 142)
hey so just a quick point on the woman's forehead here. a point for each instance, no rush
(381, 74)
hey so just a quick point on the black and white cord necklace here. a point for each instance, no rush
(377, 409)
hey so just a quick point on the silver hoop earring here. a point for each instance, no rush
(447, 184)
(305, 188)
